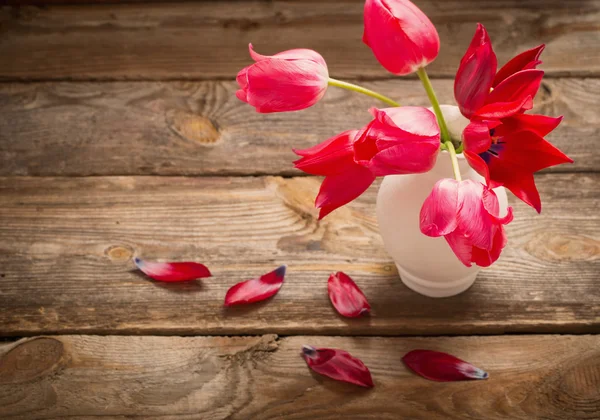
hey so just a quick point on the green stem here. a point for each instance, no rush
(360, 89)
(422, 73)
(455, 167)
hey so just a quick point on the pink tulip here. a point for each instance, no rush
(402, 38)
(344, 178)
(402, 140)
(466, 213)
(288, 81)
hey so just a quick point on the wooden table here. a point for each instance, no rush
(120, 136)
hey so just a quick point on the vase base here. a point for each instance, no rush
(434, 289)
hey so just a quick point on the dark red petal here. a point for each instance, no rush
(475, 74)
(346, 296)
(500, 110)
(442, 367)
(172, 272)
(255, 290)
(517, 87)
(526, 60)
(337, 364)
(477, 163)
(539, 124)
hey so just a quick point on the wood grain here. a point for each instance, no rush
(67, 244)
(149, 128)
(547, 377)
(206, 40)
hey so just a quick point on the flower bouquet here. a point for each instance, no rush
(488, 142)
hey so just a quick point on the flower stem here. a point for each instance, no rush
(422, 73)
(360, 89)
(455, 166)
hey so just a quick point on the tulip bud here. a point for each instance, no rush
(402, 38)
(288, 81)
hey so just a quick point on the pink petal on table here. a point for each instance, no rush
(337, 364)
(255, 290)
(442, 367)
(346, 296)
(173, 271)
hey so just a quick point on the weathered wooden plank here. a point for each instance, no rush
(66, 246)
(549, 377)
(205, 40)
(137, 128)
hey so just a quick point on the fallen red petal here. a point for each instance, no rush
(442, 367)
(346, 296)
(337, 364)
(172, 272)
(255, 290)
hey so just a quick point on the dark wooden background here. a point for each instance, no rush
(120, 135)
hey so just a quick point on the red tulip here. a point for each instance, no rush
(344, 178)
(466, 213)
(501, 142)
(402, 140)
(288, 81)
(338, 364)
(172, 272)
(346, 296)
(402, 38)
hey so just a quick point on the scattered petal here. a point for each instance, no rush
(337, 364)
(172, 272)
(346, 296)
(255, 290)
(442, 367)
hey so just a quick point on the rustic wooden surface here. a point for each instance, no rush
(545, 377)
(133, 128)
(207, 40)
(66, 237)
(120, 136)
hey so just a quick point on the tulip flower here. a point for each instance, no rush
(466, 214)
(344, 178)
(402, 38)
(501, 142)
(402, 140)
(288, 81)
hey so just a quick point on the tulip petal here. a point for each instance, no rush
(461, 246)
(441, 367)
(475, 73)
(517, 87)
(405, 158)
(475, 224)
(526, 60)
(337, 364)
(476, 137)
(256, 290)
(485, 258)
(173, 271)
(438, 215)
(414, 121)
(346, 296)
(339, 189)
(539, 124)
(329, 157)
(477, 163)
(498, 110)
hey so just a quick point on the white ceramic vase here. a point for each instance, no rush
(426, 265)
